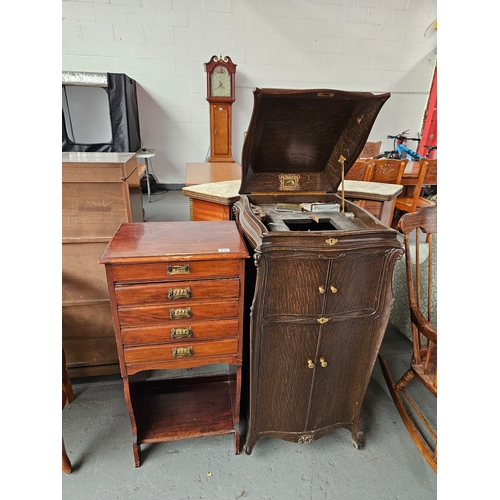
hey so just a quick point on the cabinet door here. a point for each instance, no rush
(348, 348)
(293, 287)
(284, 382)
(220, 115)
(354, 283)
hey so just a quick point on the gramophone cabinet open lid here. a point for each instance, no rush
(297, 139)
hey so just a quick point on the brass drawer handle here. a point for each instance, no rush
(182, 333)
(179, 293)
(323, 363)
(179, 352)
(180, 313)
(310, 363)
(178, 269)
(333, 289)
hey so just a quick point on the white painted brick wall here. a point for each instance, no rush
(363, 45)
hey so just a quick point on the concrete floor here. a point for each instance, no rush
(97, 434)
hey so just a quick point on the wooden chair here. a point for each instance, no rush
(423, 365)
(427, 176)
(360, 171)
(371, 150)
(67, 397)
(388, 171)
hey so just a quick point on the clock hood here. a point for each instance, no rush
(296, 138)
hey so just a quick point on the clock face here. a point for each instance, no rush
(220, 82)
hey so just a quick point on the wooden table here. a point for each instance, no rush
(213, 200)
(202, 173)
(381, 193)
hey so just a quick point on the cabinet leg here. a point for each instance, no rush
(136, 448)
(66, 463)
(358, 439)
(247, 449)
(66, 381)
(237, 443)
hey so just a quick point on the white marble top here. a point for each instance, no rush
(225, 192)
(376, 191)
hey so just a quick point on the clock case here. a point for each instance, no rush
(319, 294)
(231, 67)
(220, 109)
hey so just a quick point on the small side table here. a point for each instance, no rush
(213, 200)
(147, 154)
(382, 193)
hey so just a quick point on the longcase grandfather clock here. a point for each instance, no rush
(220, 95)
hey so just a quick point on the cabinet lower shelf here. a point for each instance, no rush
(176, 409)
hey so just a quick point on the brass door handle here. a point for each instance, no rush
(310, 363)
(181, 333)
(321, 289)
(180, 313)
(179, 293)
(323, 363)
(185, 269)
(333, 289)
(178, 352)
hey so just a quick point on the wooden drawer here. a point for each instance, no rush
(170, 315)
(175, 271)
(180, 351)
(174, 291)
(183, 331)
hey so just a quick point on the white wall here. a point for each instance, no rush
(359, 45)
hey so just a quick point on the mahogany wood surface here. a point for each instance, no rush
(201, 210)
(164, 333)
(221, 142)
(202, 173)
(159, 313)
(165, 352)
(177, 299)
(196, 290)
(184, 408)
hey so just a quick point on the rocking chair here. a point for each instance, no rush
(423, 365)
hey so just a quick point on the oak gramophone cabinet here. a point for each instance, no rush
(320, 284)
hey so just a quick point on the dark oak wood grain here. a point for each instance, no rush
(321, 285)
